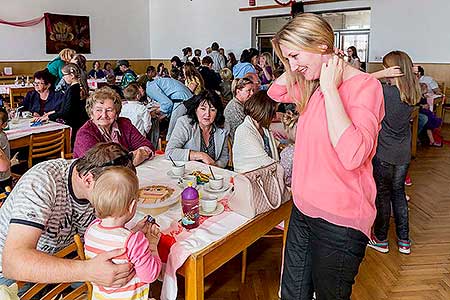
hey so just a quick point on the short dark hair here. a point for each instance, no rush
(212, 99)
(103, 156)
(261, 108)
(186, 50)
(150, 69)
(45, 76)
(207, 60)
(420, 70)
(215, 46)
(198, 52)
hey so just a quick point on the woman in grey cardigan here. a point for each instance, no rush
(200, 135)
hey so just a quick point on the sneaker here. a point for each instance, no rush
(380, 246)
(408, 181)
(404, 246)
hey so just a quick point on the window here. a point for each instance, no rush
(351, 28)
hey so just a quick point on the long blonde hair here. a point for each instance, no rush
(408, 84)
(306, 32)
(269, 60)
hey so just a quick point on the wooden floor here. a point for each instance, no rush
(424, 275)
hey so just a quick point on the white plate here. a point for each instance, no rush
(171, 175)
(218, 211)
(225, 187)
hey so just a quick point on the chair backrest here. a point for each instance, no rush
(441, 85)
(61, 291)
(230, 153)
(16, 92)
(46, 144)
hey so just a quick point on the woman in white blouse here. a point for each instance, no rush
(254, 145)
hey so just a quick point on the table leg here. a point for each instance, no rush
(194, 277)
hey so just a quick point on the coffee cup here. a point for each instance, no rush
(217, 183)
(189, 179)
(208, 203)
(178, 170)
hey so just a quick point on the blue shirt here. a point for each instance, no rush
(164, 90)
(240, 69)
(32, 102)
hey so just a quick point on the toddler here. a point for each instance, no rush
(134, 110)
(114, 199)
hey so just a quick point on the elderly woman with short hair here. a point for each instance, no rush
(199, 134)
(105, 125)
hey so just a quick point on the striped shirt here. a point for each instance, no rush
(43, 198)
(100, 238)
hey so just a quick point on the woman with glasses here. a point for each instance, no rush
(105, 125)
(199, 135)
(242, 89)
(43, 99)
(72, 111)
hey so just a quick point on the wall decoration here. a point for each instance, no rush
(64, 31)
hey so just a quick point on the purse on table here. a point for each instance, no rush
(259, 191)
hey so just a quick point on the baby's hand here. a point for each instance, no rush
(153, 235)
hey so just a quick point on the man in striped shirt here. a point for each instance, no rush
(51, 203)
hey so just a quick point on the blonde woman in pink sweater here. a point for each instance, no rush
(341, 110)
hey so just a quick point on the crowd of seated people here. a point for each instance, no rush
(212, 109)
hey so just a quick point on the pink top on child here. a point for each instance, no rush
(336, 183)
(99, 239)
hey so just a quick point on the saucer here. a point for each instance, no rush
(219, 209)
(225, 187)
(171, 175)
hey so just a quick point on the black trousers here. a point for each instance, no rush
(390, 181)
(320, 257)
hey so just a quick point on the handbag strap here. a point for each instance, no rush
(263, 191)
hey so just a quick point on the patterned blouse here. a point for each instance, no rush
(211, 148)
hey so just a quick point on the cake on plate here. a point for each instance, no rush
(153, 194)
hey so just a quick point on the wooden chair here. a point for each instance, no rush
(230, 154)
(45, 145)
(18, 92)
(73, 251)
(446, 106)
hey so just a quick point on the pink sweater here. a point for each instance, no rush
(336, 183)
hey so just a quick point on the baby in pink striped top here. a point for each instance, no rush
(114, 200)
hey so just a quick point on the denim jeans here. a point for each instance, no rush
(320, 257)
(390, 181)
(423, 120)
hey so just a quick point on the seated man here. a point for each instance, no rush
(47, 207)
(170, 94)
(128, 76)
(210, 77)
(433, 87)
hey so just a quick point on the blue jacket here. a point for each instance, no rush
(240, 69)
(164, 90)
(32, 102)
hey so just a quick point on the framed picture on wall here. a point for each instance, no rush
(64, 31)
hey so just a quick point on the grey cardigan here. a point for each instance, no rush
(186, 137)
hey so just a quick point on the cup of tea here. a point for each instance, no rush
(217, 183)
(189, 179)
(178, 170)
(208, 203)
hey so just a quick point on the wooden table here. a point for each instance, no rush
(22, 140)
(415, 128)
(201, 264)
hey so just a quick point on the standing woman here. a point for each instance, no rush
(393, 156)
(72, 111)
(265, 68)
(55, 66)
(333, 188)
(353, 58)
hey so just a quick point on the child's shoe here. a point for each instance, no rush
(404, 246)
(408, 181)
(380, 246)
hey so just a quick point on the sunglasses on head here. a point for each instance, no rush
(122, 160)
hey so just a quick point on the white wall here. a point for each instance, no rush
(119, 29)
(175, 24)
(417, 27)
